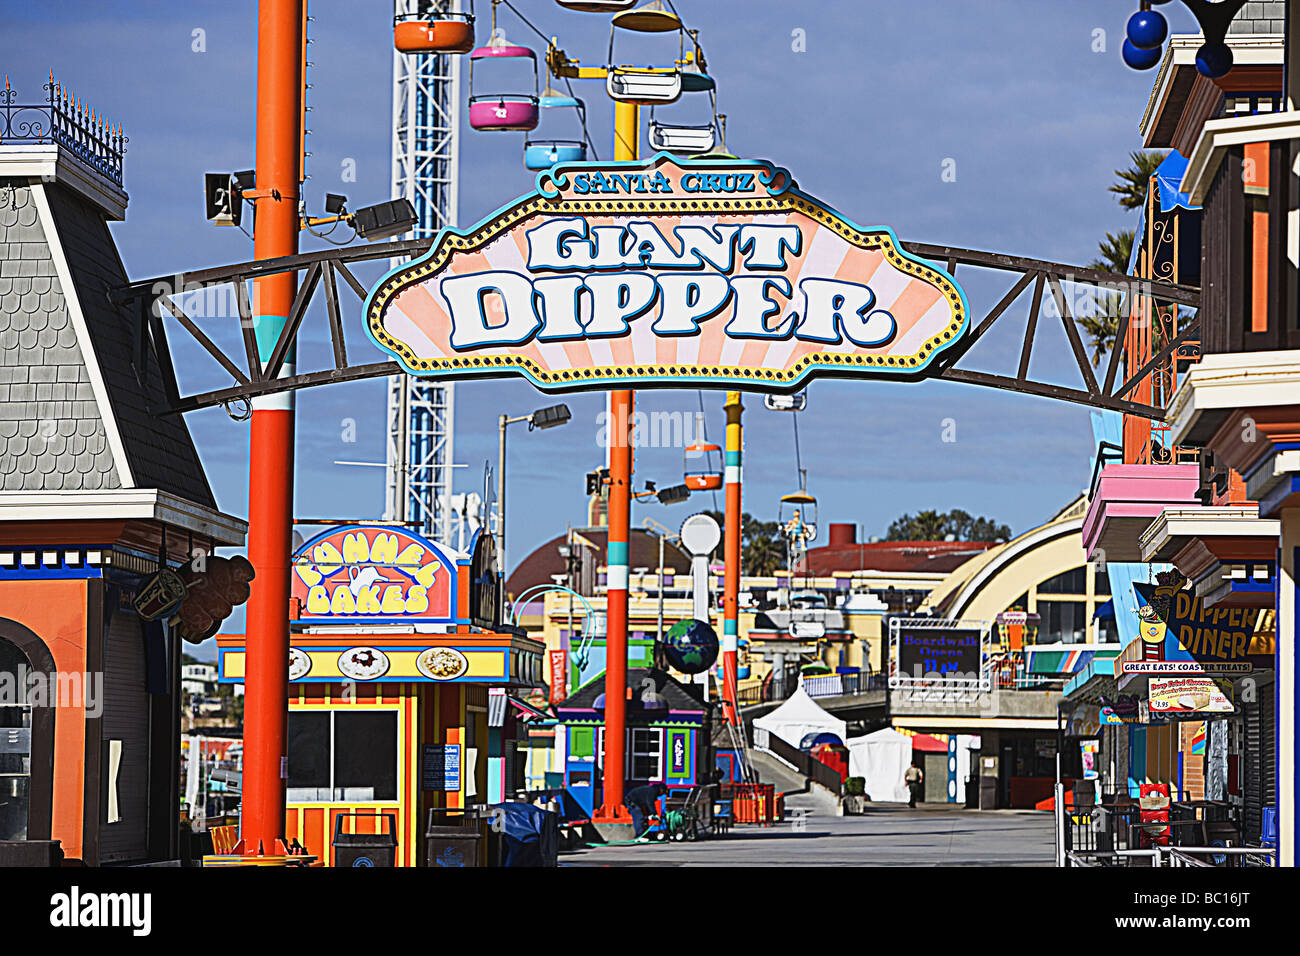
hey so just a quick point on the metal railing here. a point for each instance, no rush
(804, 763)
(1175, 856)
(1108, 453)
(1116, 835)
(769, 689)
(64, 120)
(841, 685)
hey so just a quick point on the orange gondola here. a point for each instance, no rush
(701, 476)
(449, 33)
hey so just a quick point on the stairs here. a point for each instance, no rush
(801, 793)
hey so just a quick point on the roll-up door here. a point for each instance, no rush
(124, 760)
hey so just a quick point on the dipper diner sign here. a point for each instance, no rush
(669, 272)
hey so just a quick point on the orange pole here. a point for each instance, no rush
(731, 555)
(627, 127)
(270, 484)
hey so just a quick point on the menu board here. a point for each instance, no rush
(440, 767)
(1172, 696)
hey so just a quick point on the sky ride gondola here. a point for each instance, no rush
(503, 112)
(597, 6)
(646, 86)
(799, 511)
(652, 18)
(701, 475)
(545, 153)
(798, 520)
(643, 85)
(682, 140)
(786, 403)
(448, 32)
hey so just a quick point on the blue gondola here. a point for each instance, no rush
(545, 153)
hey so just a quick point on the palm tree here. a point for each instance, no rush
(1132, 185)
(1102, 325)
(1115, 252)
(934, 526)
(924, 526)
(762, 556)
(762, 550)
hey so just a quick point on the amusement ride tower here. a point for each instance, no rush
(426, 154)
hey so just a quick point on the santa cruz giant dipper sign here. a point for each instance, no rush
(672, 272)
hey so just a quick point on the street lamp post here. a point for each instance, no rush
(663, 534)
(550, 417)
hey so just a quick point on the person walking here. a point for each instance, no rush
(913, 777)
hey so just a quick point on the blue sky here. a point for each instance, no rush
(1010, 90)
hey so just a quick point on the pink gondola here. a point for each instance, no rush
(503, 111)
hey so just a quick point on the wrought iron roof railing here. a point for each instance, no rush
(64, 120)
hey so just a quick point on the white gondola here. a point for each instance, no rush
(646, 86)
(684, 140)
(643, 85)
(786, 403)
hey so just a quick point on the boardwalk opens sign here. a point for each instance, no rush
(670, 272)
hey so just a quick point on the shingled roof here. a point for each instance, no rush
(74, 415)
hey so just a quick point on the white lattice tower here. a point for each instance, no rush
(426, 150)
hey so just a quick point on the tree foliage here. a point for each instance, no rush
(1130, 186)
(934, 526)
(762, 550)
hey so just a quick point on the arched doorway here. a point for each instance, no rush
(26, 737)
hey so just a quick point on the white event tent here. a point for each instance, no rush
(881, 758)
(799, 716)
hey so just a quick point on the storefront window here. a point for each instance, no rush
(647, 753)
(1062, 621)
(342, 757)
(15, 751)
(1074, 581)
(365, 755)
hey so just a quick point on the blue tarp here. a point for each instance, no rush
(566, 803)
(531, 834)
(1169, 177)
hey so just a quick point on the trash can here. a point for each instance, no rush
(452, 845)
(365, 849)
(38, 853)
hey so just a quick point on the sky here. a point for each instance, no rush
(867, 102)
